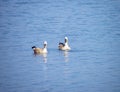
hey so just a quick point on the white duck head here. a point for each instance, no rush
(45, 44)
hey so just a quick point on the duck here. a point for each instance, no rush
(38, 50)
(64, 46)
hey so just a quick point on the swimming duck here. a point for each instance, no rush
(64, 46)
(40, 50)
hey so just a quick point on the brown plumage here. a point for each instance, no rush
(37, 50)
(40, 50)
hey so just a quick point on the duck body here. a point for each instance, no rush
(40, 50)
(64, 46)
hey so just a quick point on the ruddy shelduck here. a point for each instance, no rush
(64, 46)
(40, 50)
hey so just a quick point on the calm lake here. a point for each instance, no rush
(93, 30)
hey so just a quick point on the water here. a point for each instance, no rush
(93, 29)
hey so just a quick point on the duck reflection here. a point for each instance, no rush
(66, 56)
(43, 56)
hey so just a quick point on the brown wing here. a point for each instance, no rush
(37, 50)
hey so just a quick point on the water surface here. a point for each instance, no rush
(93, 29)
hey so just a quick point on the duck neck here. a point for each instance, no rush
(66, 43)
(45, 46)
(45, 49)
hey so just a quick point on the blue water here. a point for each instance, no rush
(93, 29)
